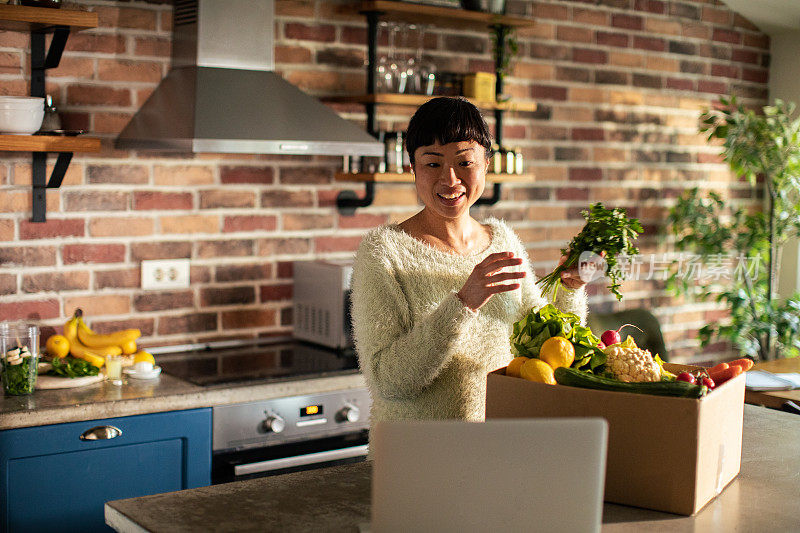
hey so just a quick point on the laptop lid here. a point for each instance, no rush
(499, 475)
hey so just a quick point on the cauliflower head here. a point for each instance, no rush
(631, 363)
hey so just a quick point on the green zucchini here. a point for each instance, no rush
(578, 378)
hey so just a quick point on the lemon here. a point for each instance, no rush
(141, 355)
(538, 371)
(129, 347)
(513, 367)
(57, 346)
(557, 351)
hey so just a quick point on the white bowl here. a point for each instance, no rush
(151, 374)
(143, 367)
(21, 101)
(21, 121)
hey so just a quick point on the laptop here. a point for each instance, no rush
(544, 475)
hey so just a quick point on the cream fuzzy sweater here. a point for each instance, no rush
(423, 354)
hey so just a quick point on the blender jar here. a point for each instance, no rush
(19, 356)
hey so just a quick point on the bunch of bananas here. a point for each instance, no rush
(94, 347)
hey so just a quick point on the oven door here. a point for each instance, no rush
(292, 457)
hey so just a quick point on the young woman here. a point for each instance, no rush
(435, 297)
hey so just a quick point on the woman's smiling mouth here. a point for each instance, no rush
(451, 197)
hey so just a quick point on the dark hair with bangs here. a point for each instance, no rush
(447, 120)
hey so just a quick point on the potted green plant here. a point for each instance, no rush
(763, 148)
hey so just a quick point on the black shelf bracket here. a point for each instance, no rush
(501, 36)
(497, 189)
(41, 183)
(373, 17)
(348, 201)
(41, 60)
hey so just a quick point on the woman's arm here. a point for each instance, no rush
(568, 300)
(572, 301)
(401, 356)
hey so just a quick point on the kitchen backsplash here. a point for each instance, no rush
(619, 85)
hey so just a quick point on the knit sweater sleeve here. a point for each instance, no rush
(568, 300)
(399, 355)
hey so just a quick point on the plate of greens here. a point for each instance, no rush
(69, 372)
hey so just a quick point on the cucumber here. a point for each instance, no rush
(577, 378)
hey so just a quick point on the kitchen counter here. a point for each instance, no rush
(762, 498)
(136, 397)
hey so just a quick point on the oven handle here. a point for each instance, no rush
(301, 460)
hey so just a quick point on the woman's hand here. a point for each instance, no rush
(484, 281)
(572, 278)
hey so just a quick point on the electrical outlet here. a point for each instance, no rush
(165, 274)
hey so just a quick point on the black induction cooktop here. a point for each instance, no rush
(274, 361)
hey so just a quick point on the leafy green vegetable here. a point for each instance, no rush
(606, 230)
(72, 367)
(20, 378)
(530, 332)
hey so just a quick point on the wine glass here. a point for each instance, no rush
(383, 78)
(426, 69)
(412, 59)
(397, 71)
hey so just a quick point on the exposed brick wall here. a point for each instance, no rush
(619, 85)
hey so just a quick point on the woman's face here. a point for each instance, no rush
(450, 177)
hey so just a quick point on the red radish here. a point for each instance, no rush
(601, 345)
(612, 335)
(708, 382)
(687, 377)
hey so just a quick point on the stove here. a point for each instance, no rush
(278, 435)
(278, 360)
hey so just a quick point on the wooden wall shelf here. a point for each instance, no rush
(501, 27)
(38, 22)
(48, 143)
(407, 177)
(416, 100)
(439, 16)
(26, 19)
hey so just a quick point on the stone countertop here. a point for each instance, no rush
(136, 397)
(762, 498)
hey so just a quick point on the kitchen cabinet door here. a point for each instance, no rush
(52, 480)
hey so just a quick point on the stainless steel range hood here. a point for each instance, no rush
(223, 96)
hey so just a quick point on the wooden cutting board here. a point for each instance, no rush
(55, 382)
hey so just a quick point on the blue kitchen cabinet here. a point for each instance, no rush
(53, 480)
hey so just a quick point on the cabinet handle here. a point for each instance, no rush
(101, 433)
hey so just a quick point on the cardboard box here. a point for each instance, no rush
(480, 86)
(664, 453)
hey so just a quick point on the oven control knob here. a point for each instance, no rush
(349, 413)
(274, 423)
